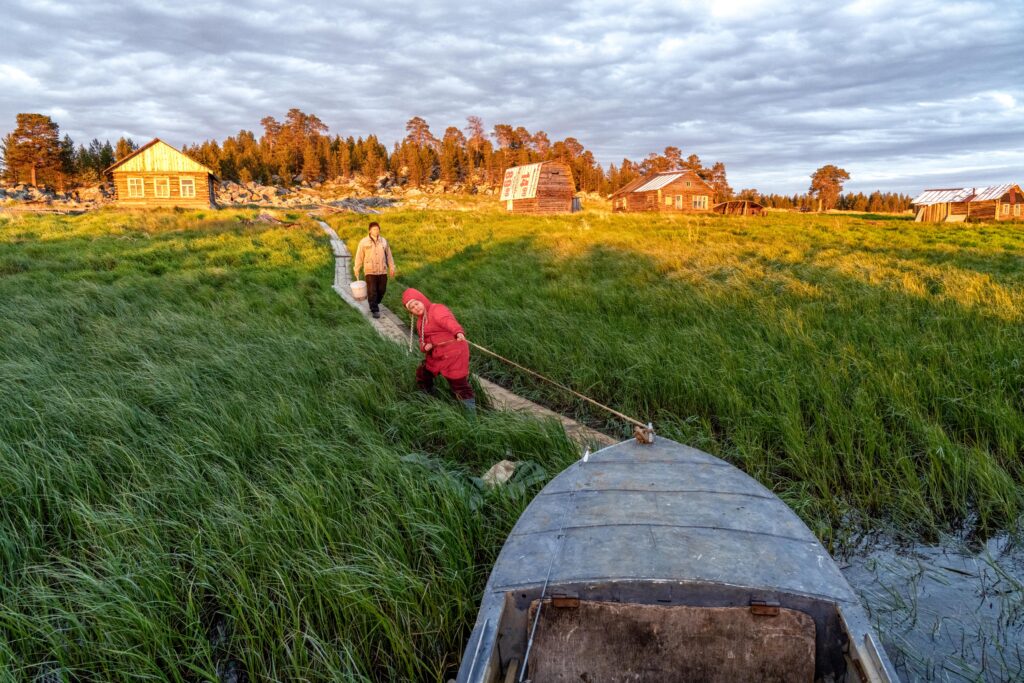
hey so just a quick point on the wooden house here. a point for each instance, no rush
(740, 207)
(157, 174)
(541, 188)
(959, 204)
(668, 192)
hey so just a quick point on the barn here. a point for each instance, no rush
(157, 174)
(959, 204)
(669, 192)
(541, 188)
(740, 207)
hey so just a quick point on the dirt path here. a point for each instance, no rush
(390, 326)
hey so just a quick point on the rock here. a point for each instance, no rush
(499, 473)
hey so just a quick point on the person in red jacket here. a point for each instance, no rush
(443, 341)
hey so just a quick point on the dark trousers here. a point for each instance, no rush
(460, 386)
(376, 285)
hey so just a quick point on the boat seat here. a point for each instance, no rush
(609, 642)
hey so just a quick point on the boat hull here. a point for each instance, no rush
(648, 529)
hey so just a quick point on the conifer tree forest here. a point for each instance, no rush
(300, 147)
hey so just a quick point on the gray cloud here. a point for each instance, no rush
(903, 95)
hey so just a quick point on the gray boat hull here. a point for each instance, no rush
(666, 525)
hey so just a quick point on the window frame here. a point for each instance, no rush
(699, 201)
(182, 182)
(156, 187)
(1016, 209)
(136, 187)
(679, 202)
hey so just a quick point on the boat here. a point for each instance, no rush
(659, 562)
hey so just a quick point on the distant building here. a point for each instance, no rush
(157, 174)
(958, 204)
(541, 188)
(668, 192)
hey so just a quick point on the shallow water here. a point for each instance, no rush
(945, 612)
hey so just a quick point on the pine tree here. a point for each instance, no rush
(826, 185)
(32, 151)
(125, 146)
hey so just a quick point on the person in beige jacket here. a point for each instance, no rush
(373, 255)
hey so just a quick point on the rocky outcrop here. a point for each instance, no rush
(21, 195)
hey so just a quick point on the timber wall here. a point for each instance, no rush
(555, 190)
(664, 200)
(203, 185)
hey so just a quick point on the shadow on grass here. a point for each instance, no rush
(844, 397)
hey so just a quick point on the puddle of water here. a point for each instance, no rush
(945, 612)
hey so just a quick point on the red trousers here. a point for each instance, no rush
(460, 385)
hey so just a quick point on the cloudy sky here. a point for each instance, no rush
(904, 95)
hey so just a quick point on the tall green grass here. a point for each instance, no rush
(866, 370)
(212, 469)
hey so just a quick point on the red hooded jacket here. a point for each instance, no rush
(436, 326)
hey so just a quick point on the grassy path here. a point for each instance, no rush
(390, 326)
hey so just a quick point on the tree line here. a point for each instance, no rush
(301, 148)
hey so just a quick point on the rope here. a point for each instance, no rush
(514, 364)
(627, 418)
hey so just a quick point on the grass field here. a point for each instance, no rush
(866, 368)
(211, 466)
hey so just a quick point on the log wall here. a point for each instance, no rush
(203, 184)
(555, 190)
(664, 200)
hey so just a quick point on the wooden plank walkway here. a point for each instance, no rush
(390, 326)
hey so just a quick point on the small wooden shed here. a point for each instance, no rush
(541, 188)
(959, 204)
(740, 207)
(157, 174)
(668, 192)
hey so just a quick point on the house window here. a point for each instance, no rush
(679, 201)
(1006, 209)
(688, 183)
(188, 187)
(700, 201)
(162, 187)
(1016, 209)
(668, 201)
(136, 188)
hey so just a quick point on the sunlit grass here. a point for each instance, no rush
(211, 465)
(864, 369)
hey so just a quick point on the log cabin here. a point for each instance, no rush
(959, 204)
(667, 192)
(157, 174)
(542, 188)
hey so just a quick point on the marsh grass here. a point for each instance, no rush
(212, 468)
(864, 369)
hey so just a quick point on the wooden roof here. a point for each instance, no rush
(156, 155)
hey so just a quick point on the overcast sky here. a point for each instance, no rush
(904, 95)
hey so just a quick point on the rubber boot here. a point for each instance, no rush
(470, 405)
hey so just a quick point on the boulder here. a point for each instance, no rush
(499, 473)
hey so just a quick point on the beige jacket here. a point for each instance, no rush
(375, 256)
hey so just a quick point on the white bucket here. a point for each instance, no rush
(358, 290)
